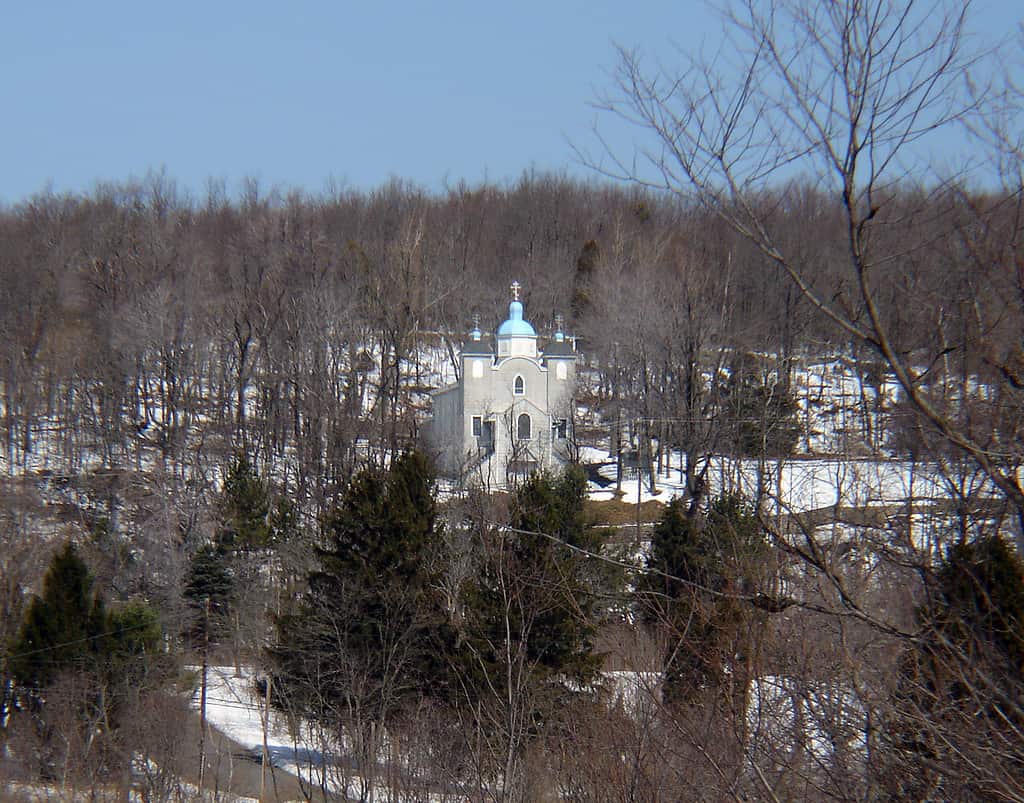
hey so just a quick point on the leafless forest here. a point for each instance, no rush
(165, 354)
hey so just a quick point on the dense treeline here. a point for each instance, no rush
(134, 315)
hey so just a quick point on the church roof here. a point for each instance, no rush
(559, 348)
(515, 326)
(477, 348)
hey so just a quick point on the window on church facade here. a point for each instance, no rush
(478, 426)
(561, 371)
(523, 427)
(560, 427)
(519, 386)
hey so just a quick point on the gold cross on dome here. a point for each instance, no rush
(515, 290)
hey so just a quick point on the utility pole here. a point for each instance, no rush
(639, 482)
(266, 750)
(202, 693)
(618, 450)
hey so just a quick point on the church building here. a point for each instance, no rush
(510, 413)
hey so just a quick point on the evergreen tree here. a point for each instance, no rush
(63, 626)
(695, 567)
(962, 679)
(980, 604)
(764, 413)
(244, 509)
(210, 577)
(81, 668)
(247, 524)
(583, 279)
(526, 648)
(535, 591)
(283, 523)
(134, 630)
(365, 636)
(384, 526)
(559, 583)
(68, 627)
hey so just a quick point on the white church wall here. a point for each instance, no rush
(443, 434)
(494, 393)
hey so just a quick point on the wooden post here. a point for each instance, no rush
(639, 483)
(202, 693)
(618, 451)
(266, 750)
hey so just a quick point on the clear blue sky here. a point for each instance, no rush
(295, 92)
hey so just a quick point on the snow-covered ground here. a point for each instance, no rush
(825, 721)
(235, 708)
(46, 793)
(232, 705)
(795, 485)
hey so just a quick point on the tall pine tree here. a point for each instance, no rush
(82, 670)
(529, 617)
(533, 606)
(233, 563)
(244, 509)
(210, 593)
(365, 636)
(696, 567)
(63, 627)
(557, 583)
(961, 680)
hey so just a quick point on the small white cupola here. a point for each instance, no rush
(516, 337)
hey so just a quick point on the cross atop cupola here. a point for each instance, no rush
(516, 287)
(559, 337)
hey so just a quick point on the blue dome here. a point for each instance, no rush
(515, 326)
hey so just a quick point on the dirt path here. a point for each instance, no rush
(233, 769)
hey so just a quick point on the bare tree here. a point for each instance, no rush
(846, 95)
(844, 100)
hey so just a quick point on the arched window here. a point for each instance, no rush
(523, 427)
(519, 386)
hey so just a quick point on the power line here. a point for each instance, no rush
(52, 647)
(631, 567)
(760, 600)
